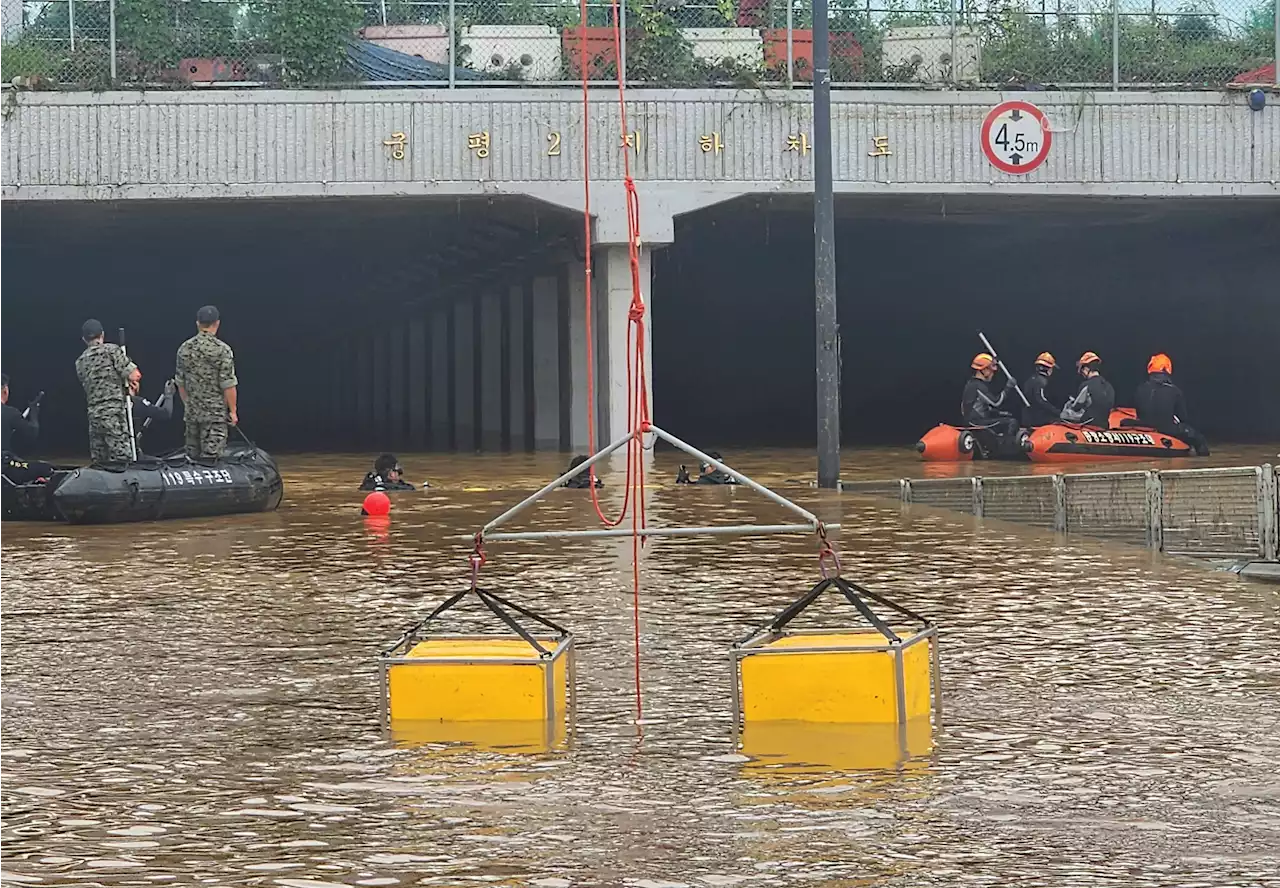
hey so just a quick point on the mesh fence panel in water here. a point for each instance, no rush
(1211, 511)
(877, 489)
(1112, 506)
(944, 493)
(1027, 500)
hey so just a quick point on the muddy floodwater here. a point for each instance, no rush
(195, 702)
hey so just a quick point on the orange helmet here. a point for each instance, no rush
(1160, 364)
(1088, 358)
(1044, 359)
(983, 361)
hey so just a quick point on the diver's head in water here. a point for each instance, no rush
(388, 467)
(582, 479)
(705, 467)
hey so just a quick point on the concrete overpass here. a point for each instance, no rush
(499, 362)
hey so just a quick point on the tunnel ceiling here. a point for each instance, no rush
(293, 261)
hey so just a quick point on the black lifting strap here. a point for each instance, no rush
(491, 602)
(850, 591)
(856, 600)
(893, 606)
(498, 606)
(412, 632)
(525, 612)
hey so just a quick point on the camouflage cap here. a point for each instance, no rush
(90, 329)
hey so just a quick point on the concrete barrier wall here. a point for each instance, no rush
(81, 145)
(1204, 512)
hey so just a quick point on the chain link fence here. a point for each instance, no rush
(1007, 44)
(1203, 512)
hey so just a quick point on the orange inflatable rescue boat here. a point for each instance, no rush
(1059, 442)
(948, 443)
(1125, 439)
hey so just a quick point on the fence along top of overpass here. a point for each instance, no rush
(1218, 512)
(1125, 43)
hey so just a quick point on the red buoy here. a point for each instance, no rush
(376, 503)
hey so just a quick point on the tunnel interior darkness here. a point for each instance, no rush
(734, 336)
(292, 279)
(732, 300)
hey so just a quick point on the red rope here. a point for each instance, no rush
(633, 501)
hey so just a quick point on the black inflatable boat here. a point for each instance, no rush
(244, 480)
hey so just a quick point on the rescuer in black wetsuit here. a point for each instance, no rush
(979, 407)
(582, 480)
(1092, 405)
(160, 411)
(18, 428)
(1041, 412)
(1162, 406)
(707, 473)
(387, 475)
(145, 412)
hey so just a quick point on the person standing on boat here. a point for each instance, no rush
(979, 407)
(1092, 405)
(109, 378)
(1162, 406)
(20, 426)
(1041, 410)
(207, 383)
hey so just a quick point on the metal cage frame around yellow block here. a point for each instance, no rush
(563, 648)
(760, 646)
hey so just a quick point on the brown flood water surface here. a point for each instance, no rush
(195, 702)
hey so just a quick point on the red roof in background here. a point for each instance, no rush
(1265, 74)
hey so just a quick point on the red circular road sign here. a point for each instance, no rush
(1016, 137)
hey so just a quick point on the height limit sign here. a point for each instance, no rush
(1016, 137)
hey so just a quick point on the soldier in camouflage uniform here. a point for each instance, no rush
(108, 377)
(207, 382)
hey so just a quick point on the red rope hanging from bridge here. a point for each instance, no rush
(638, 419)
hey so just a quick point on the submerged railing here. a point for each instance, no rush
(1226, 512)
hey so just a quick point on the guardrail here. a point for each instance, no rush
(1228, 512)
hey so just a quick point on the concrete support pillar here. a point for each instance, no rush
(464, 376)
(441, 333)
(364, 391)
(545, 323)
(416, 368)
(516, 437)
(613, 291)
(397, 387)
(491, 380)
(576, 343)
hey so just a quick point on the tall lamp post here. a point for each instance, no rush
(824, 266)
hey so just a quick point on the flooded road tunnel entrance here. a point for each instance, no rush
(414, 323)
(327, 303)
(918, 276)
